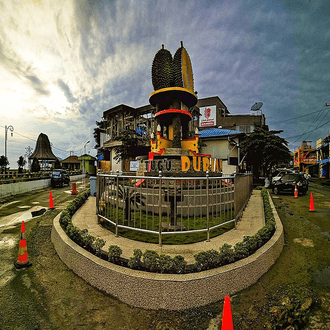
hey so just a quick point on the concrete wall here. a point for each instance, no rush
(22, 187)
(167, 291)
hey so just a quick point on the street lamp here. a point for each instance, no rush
(11, 128)
(85, 153)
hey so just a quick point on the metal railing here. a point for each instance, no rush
(163, 205)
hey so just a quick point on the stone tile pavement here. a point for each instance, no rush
(252, 220)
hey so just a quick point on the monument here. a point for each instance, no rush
(175, 144)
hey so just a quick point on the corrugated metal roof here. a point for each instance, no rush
(214, 132)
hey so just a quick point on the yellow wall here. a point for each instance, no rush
(105, 165)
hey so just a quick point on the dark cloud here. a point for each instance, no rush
(67, 92)
(37, 84)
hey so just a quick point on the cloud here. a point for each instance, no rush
(66, 89)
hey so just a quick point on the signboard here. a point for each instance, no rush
(134, 165)
(208, 116)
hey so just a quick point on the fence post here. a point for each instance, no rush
(117, 203)
(160, 208)
(207, 206)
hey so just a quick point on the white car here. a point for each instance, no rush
(280, 174)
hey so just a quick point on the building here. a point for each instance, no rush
(214, 113)
(323, 156)
(304, 159)
(223, 144)
(87, 164)
(71, 163)
(210, 115)
(43, 152)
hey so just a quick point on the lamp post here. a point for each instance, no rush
(84, 169)
(85, 153)
(11, 128)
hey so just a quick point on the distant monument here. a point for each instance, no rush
(43, 151)
(174, 147)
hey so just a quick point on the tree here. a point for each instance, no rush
(97, 132)
(21, 163)
(130, 141)
(35, 167)
(3, 162)
(57, 164)
(264, 149)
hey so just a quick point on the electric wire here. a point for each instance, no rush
(26, 137)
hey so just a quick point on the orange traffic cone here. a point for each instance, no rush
(295, 192)
(227, 318)
(74, 189)
(311, 204)
(51, 203)
(23, 260)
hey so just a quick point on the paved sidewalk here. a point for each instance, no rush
(252, 220)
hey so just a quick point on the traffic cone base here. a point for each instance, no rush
(311, 204)
(51, 203)
(23, 259)
(74, 189)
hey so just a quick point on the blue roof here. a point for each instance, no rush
(213, 132)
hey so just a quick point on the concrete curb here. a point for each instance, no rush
(167, 291)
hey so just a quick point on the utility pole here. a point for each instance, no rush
(11, 128)
(28, 153)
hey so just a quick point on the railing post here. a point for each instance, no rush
(207, 206)
(117, 203)
(160, 208)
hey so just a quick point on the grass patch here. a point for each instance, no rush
(150, 222)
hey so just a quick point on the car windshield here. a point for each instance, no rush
(56, 172)
(292, 177)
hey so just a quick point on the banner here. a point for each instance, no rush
(208, 116)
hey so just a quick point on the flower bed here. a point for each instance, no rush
(153, 262)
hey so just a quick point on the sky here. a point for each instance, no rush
(64, 62)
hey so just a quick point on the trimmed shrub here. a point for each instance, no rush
(165, 263)
(226, 254)
(114, 253)
(88, 241)
(150, 260)
(135, 261)
(207, 260)
(98, 245)
(241, 251)
(179, 265)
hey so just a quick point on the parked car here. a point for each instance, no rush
(59, 178)
(279, 174)
(288, 182)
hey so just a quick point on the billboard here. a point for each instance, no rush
(208, 116)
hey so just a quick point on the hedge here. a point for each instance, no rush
(153, 262)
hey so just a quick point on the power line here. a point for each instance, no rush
(283, 121)
(26, 137)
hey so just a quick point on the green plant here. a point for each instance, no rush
(135, 261)
(150, 260)
(226, 254)
(165, 263)
(88, 241)
(241, 251)
(179, 265)
(98, 245)
(207, 259)
(114, 253)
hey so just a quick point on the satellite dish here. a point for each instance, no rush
(256, 106)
